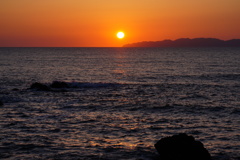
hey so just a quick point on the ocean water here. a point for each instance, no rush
(117, 102)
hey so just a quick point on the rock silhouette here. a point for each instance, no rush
(43, 87)
(181, 147)
(40, 87)
(57, 84)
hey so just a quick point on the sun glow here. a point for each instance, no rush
(120, 35)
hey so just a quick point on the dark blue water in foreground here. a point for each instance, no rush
(118, 101)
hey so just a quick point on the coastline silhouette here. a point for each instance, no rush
(187, 42)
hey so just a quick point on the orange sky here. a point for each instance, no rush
(94, 23)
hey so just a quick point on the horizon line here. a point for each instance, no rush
(114, 46)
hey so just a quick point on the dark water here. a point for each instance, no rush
(118, 101)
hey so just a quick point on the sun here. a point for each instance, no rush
(120, 35)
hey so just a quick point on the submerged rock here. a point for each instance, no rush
(181, 147)
(1, 103)
(15, 89)
(40, 87)
(57, 84)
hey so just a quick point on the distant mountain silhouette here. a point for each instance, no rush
(186, 42)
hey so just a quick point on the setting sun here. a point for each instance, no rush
(120, 35)
(99, 23)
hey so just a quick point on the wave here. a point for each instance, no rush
(59, 85)
(220, 76)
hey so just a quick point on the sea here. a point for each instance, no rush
(116, 103)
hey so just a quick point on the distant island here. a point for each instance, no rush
(187, 42)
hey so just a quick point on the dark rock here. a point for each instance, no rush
(1, 103)
(57, 84)
(181, 147)
(40, 87)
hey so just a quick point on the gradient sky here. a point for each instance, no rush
(94, 23)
